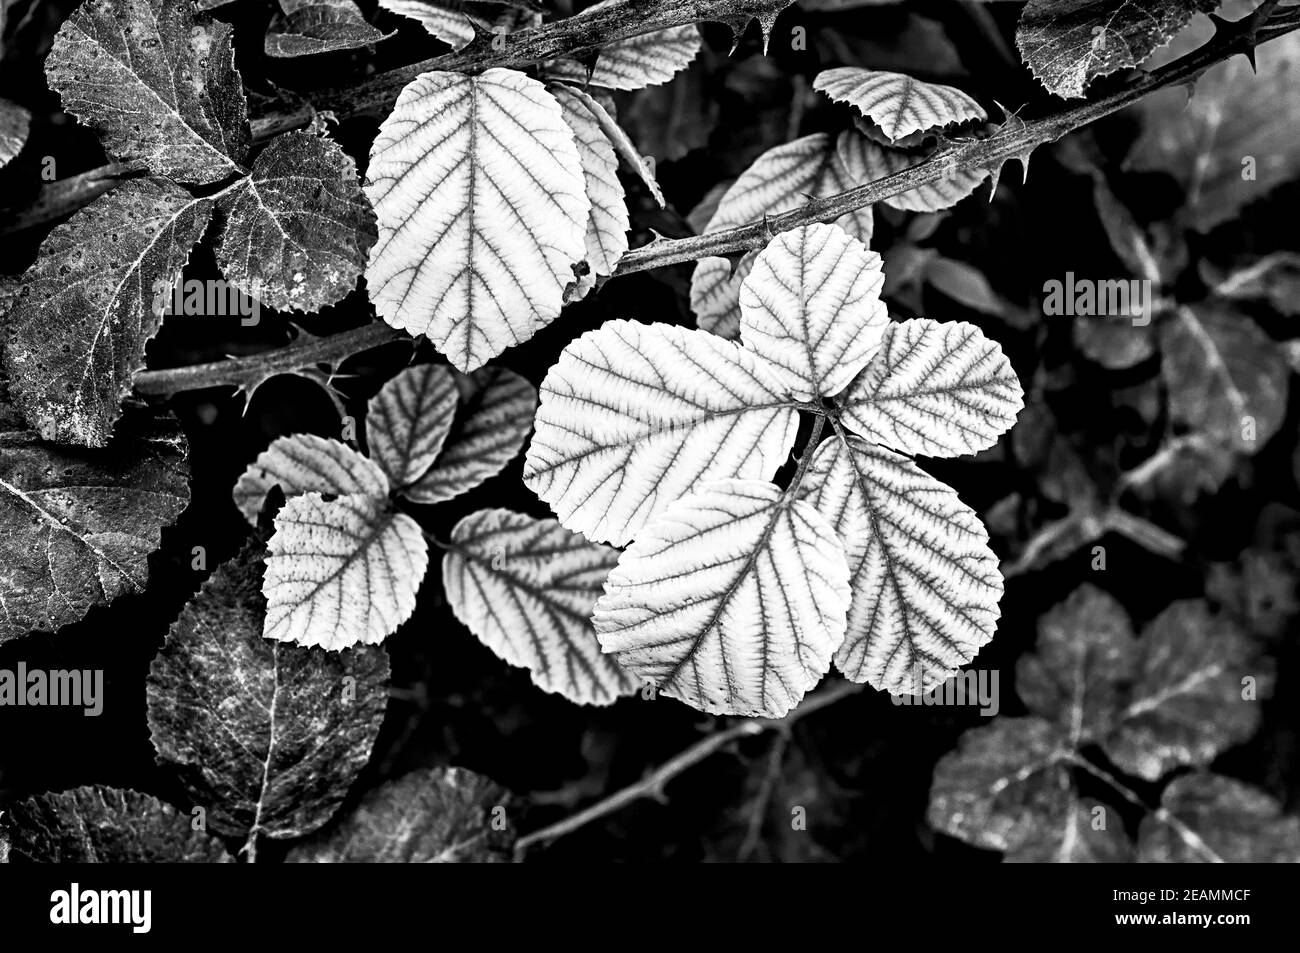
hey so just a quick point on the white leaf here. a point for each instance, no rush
(780, 180)
(602, 107)
(866, 161)
(633, 416)
(925, 583)
(304, 463)
(408, 421)
(646, 60)
(733, 600)
(451, 26)
(526, 588)
(495, 416)
(607, 222)
(482, 212)
(811, 309)
(341, 573)
(936, 389)
(898, 104)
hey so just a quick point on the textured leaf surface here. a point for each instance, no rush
(92, 300)
(1068, 43)
(715, 294)
(77, 526)
(343, 572)
(306, 463)
(898, 104)
(492, 422)
(436, 816)
(940, 390)
(1225, 376)
(811, 309)
(103, 825)
(634, 416)
(1071, 837)
(445, 22)
(925, 583)
(865, 161)
(733, 600)
(318, 26)
(646, 60)
(266, 737)
(482, 212)
(15, 124)
(526, 588)
(299, 227)
(408, 421)
(157, 83)
(1222, 820)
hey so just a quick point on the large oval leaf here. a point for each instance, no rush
(633, 416)
(732, 600)
(482, 212)
(898, 104)
(526, 588)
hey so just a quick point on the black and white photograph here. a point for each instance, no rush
(696, 432)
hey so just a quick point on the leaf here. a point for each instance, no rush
(77, 526)
(494, 419)
(866, 161)
(92, 300)
(305, 463)
(1222, 819)
(318, 26)
(780, 180)
(266, 737)
(925, 583)
(1113, 342)
(1069, 43)
(103, 825)
(482, 212)
(898, 104)
(1241, 120)
(1071, 837)
(157, 83)
(408, 421)
(607, 220)
(937, 389)
(634, 416)
(646, 60)
(449, 25)
(732, 600)
(15, 124)
(1002, 780)
(811, 309)
(342, 572)
(1225, 376)
(1187, 703)
(299, 228)
(602, 109)
(526, 588)
(434, 816)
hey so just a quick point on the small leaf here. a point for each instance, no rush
(866, 161)
(602, 109)
(157, 83)
(92, 301)
(266, 737)
(1221, 820)
(408, 421)
(77, 526)
(305, 463)
(941, 390)
(318, 26)
(481, 214)
(732, 600)
(1068, 43)
(103, 825)
(715, 294)
(526, 588)
(343, 572)
(811, 309)
(491, 425)
(645, 60)
(662, 410)
(898, 104)
(15, 125)
(434, 816)
(299, 227)
(925, 583)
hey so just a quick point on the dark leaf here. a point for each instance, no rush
(15, 124)
(319, 26)
(1218, 819)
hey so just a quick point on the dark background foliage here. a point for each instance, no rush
(862, 768)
